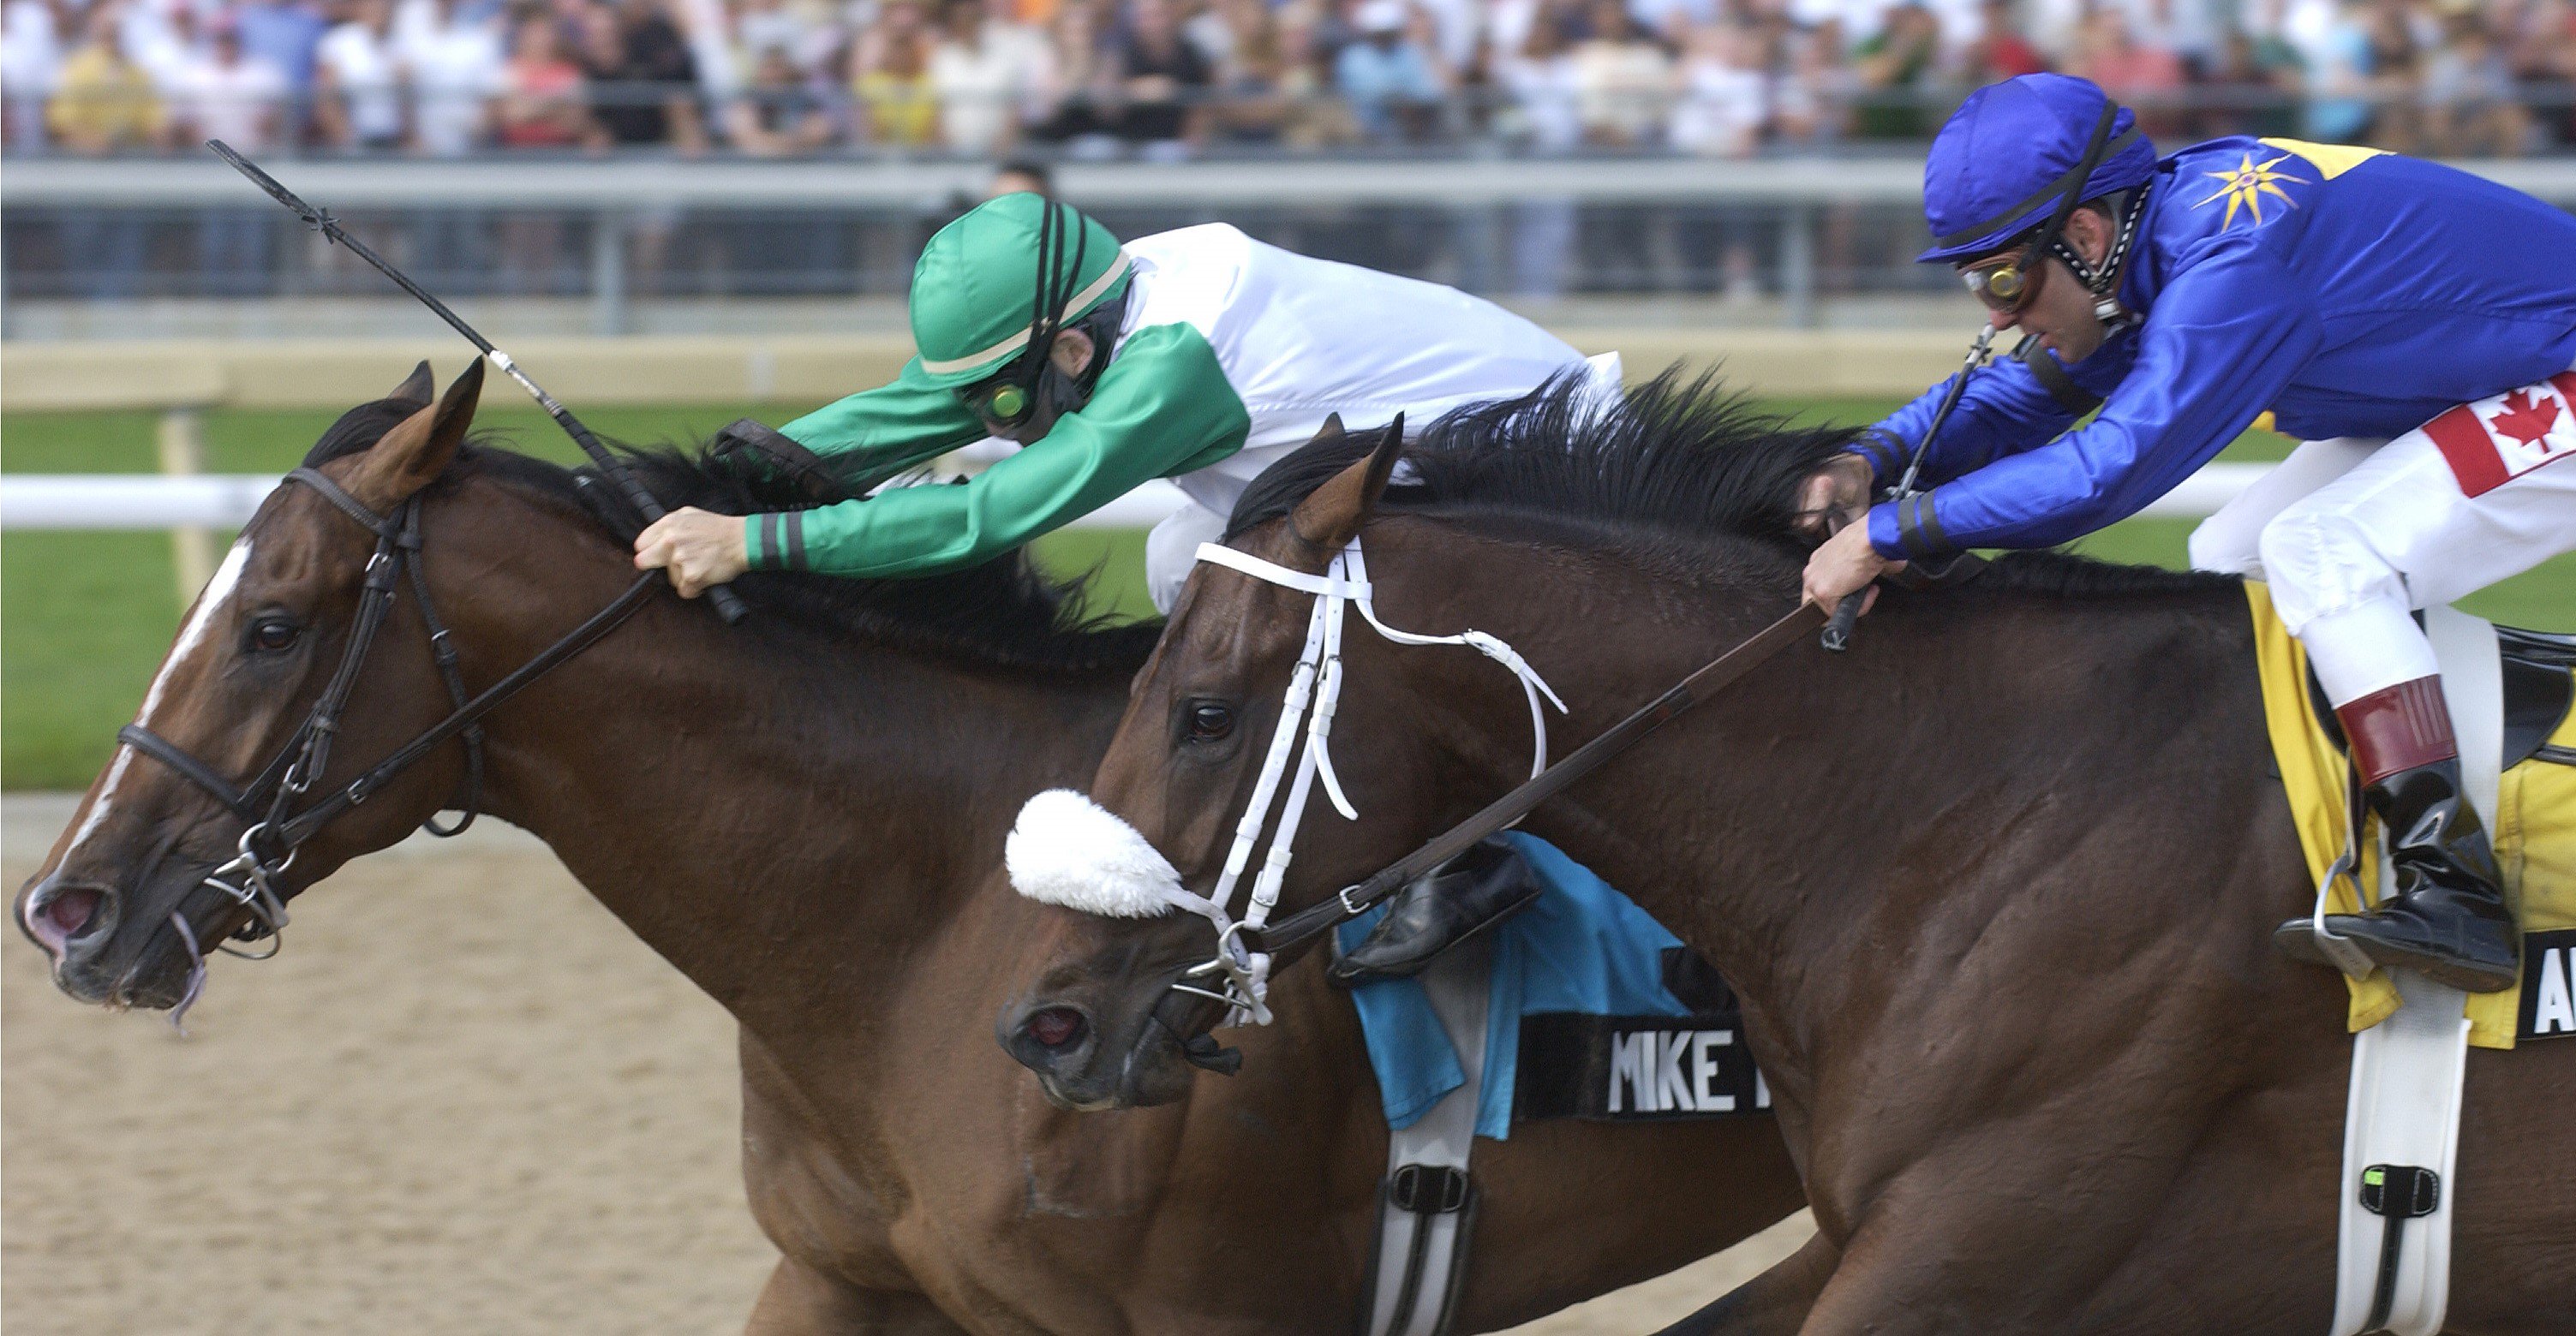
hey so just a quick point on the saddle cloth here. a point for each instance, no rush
(2534, 834)
(1582, 979)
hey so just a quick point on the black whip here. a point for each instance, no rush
(728, 604)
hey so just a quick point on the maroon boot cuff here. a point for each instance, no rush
(2398, 728)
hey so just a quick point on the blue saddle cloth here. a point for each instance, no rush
(1580, 947)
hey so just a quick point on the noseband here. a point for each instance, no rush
(271, 835)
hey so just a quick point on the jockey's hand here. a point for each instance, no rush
(1845, 563)
(1835, 495)
(699, 548)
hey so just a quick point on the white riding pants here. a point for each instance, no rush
(2355, 534)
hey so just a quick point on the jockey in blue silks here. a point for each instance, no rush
(2413, 324)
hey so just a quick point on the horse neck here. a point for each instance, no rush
(787, 828)
(1807, 820)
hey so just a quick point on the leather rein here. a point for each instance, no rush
(1352, 901)
(272, 835)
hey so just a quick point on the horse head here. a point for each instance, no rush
(1527, 520)
(1102, 1023)
(136, 888)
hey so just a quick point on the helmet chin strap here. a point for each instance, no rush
(2103, 281)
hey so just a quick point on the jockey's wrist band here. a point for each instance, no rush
(775, 541)
(1879, 446)
(1908, 529)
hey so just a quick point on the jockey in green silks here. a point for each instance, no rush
(1198, 355)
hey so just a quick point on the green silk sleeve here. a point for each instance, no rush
(871, 436)
(1162, 407)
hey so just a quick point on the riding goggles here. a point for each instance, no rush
(1000, 402)
(2005, 283)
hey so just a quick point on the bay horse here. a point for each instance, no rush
(805, 815)
(1997, 886)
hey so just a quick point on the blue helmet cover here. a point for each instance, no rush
(1997, 167)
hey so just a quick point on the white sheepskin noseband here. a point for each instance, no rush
(1068, 850)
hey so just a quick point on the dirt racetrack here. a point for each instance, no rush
(464, 1100)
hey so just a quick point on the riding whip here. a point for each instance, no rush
(728, 604)
(1837, 634)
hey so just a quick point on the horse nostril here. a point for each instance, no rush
(71, 911)
(1056, 1027)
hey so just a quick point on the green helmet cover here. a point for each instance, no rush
(976, 285)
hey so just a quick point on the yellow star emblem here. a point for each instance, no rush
(2248, 183)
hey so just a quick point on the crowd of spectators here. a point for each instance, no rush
(1166, 78)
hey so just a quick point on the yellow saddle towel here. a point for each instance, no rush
(2535, 845)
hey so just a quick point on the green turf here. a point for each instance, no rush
(84, 617)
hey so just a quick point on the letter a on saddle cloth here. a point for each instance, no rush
(2411, 1036)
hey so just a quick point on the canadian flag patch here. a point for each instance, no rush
(2493, 441)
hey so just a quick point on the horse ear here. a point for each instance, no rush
(1332, 515)
(418, 387)
(418, 449)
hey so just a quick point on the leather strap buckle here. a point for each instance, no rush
(1427, 1189)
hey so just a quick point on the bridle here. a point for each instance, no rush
(1245, 950)
(272, 833)
(1240, 970)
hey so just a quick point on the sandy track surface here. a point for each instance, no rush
(464, 1100)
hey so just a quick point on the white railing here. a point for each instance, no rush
(226, 500)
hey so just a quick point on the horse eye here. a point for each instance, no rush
(273, 634)
(1211, 721)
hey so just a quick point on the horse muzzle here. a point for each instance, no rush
(102, 953)
(67, 918)
(1086, 1066)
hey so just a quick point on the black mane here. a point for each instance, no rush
(1678, 460)
(1004, 613)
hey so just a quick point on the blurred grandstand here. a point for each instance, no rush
(1695, 104)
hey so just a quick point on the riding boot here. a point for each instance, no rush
(1442, 908)
(2445, 916)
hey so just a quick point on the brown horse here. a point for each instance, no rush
(805, 815)
(1997, 886)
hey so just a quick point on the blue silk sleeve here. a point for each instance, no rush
(2005, 410)
(2224, 340)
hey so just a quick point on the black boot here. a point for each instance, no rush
(2446, 918)
(1465, 896)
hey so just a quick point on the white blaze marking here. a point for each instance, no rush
(219, 591)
